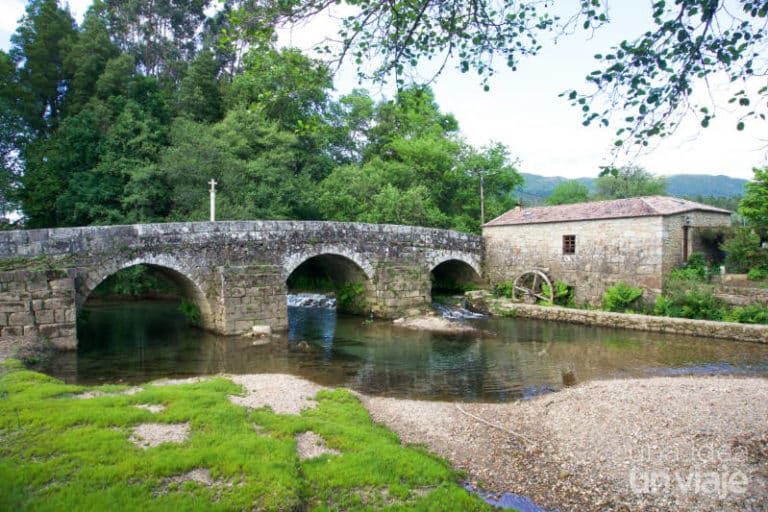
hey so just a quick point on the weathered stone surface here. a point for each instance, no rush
(235, 272)
(705, 328)
(637, 250)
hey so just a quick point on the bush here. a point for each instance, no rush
(695, 269)
(350, 298)
(190, 311)
(756, 274)
(752, 314)
(505, 289)
(684, 298)
(620, 297)
(744, 252)
(562, 294)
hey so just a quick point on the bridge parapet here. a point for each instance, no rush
(235, 271)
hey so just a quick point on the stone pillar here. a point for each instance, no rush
(402, 289)
(251, 295)
(39, 302)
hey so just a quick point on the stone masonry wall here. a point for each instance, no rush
(607, 251)
(684, 326)
(38, 302)
(673, 234)
(252, 295)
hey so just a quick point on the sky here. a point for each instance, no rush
(523, 110)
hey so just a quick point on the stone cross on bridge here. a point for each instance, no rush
(234, 271)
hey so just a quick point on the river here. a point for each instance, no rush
(506, 359)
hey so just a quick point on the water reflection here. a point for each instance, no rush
(505, 360)
(312, 325)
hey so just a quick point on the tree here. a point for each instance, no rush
(628, 182)
(200, 96)
(652, 75)
(495, 173)
(11, 134)
(161, 35)
(38, 50)
(754, 204)
(568, 192)
(85, 59)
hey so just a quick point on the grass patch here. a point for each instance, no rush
(61, 452)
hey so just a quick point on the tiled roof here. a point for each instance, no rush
(634, 207)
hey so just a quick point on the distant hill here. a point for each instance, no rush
(536, 188)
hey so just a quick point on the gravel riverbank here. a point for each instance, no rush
(684, 443)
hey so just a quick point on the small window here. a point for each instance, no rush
(569, 244)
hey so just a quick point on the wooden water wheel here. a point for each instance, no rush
(533, 286)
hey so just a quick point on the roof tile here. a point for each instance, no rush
(648, 206)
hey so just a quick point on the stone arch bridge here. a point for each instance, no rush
(235, 272)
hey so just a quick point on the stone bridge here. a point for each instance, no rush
(235, 272)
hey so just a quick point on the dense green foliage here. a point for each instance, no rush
(744, 252)
(621, 297)
(688, 293)
(127, 117)
(754, 204)
(64, 453)
(138, 281)
(686, 296)
(562, 294)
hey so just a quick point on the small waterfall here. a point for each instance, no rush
(455, 312)
(311, 300)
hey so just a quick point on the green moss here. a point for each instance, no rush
(59, 452)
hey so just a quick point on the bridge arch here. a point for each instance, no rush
(294, 260)
(453, 273)
(171, 268)
(349, 274)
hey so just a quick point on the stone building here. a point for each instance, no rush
(592, 246)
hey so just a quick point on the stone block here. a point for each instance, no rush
(243, 326)
(45, 316)
(57, 303)
(20, 318)
(60, 284)
(12, 330)
(12, 306)
(235, 291)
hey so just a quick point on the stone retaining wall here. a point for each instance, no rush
(742, 295)
(483, 301)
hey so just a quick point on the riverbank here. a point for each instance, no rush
(31, 350)
(486, 302)
(683, 443)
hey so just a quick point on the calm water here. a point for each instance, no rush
(507, 359)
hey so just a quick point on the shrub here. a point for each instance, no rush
(562, 294)
(621, 297)
(695, 269)
(752, 314)
(684, 298)
(756, 274)
(350, 298)
(190, 311)
(505, 289)
(744, 252)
